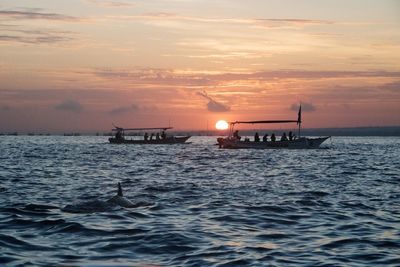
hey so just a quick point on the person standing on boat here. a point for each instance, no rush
(151, 136)
(146, 136)
(256, 137)
(273, 138)
(265, 138)
(157, 136)
(163, 135)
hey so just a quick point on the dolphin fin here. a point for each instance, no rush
(119, 190)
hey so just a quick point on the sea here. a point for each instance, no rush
(198, 205)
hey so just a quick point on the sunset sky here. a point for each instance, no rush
(81, 65)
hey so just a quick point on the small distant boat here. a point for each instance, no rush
(159, 138)
(233, 141)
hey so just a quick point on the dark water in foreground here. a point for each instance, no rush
(198, 205)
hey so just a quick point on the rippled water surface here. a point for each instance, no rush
(197, 205)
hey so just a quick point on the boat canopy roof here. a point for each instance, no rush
(267, 121)
(140, 129)
(298, 121)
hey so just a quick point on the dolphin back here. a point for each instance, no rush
(89, 207)
(121, 201)
(120, 190)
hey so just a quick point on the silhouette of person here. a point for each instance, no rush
(151, 136)
(273, 138)
(163, 135)
(118, 135)
(284, 137)
(236, 135)
(256, 137)
(290, 136)
(146, 136)
(265, 138)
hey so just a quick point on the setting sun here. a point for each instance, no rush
(221, 125)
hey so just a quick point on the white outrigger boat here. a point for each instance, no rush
(153, 139)
(233, 141)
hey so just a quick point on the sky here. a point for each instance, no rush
(84, 65)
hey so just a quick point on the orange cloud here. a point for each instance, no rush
(110, 4)
(262, 22)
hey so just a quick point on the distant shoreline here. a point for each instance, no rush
(348, 131)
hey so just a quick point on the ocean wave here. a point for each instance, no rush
(197, 205)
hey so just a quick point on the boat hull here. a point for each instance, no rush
(166, 141)
(300, 143)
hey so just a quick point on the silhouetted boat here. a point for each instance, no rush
(153, 139)
(233, 141)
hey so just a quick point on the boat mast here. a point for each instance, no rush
(299, 119)
(299, 130)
